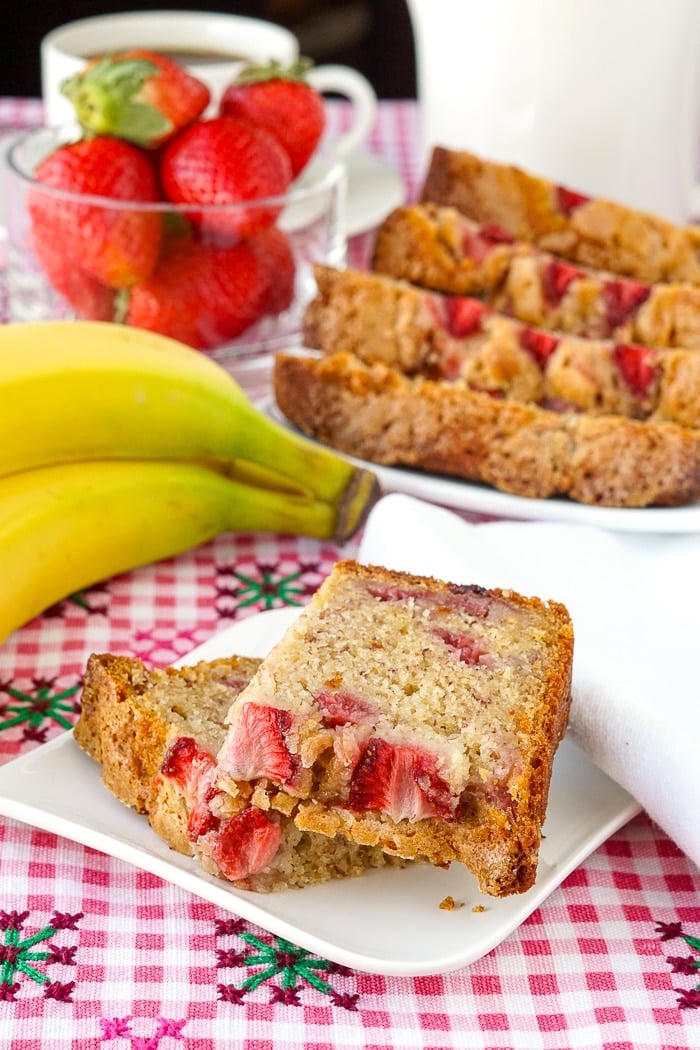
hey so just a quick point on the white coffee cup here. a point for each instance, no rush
(602, 96)
(214, 46)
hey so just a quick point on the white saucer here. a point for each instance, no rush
(374, 189)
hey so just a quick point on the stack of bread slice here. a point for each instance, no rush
(516, 333)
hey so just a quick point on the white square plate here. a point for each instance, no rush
(388, 921)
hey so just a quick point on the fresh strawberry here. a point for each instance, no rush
(91, 300)
(136, 95)
(569, 200)
(244, 844)
(226, 161)
(201, 294)
(622, 299)
(540, 345)
(400, 781)
(282, 101)
(118, 246)
(556, 278)
(274, 250)
(257, 748)
(637, 366)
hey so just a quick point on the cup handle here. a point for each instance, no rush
(342, 80)
(695, 202)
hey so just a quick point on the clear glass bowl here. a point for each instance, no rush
(47, 260)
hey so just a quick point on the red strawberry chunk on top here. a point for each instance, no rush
(569, 200)
(256, 745)
(622, 299)
(540, 345)
(400, 781)
(556, 278)
(244, 844)
(637, 366)
(344, 708)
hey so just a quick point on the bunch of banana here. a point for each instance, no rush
(119, 447)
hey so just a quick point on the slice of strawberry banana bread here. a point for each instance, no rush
(458, 339)
(437, 247)
(414, 715)
(595, 232)
(155, 733)
(379, 414)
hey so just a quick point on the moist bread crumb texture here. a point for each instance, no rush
(132, 721)
(461, 340)
(411, 715)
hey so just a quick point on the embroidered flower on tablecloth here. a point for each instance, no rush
(265, 585)
(285, 968)
(94, 601)
(36, 710)
(688, 998)
(27, 955)
(120, 1028)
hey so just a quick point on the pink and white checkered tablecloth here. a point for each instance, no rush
(94, 952)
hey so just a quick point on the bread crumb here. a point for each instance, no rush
(478, 908)
(450, 904)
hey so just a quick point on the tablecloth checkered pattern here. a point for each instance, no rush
(96, 953)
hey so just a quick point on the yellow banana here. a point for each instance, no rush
(66, 526)
(80, 390)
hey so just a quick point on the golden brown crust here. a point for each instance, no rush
(424, 244)
(377, 414)
(437, 247)
(594, 232)
(379, 318)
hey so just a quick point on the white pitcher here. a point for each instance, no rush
(602, 96)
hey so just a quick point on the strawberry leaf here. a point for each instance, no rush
(106, 100)
(274, 70)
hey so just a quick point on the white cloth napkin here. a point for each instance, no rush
(634, 601)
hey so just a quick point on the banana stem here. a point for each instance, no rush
(322, 473)
(66, 526)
